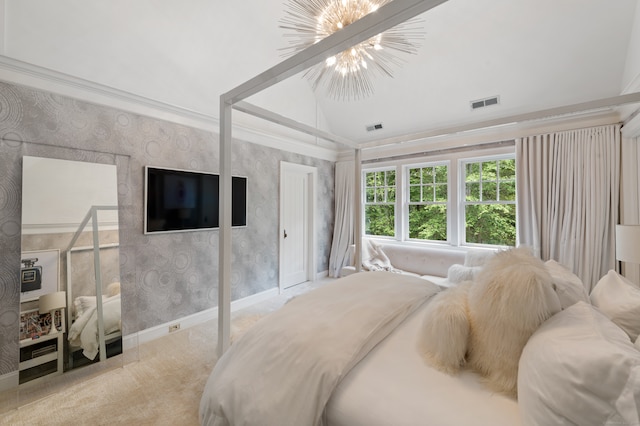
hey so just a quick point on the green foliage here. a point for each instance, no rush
(379, 220)
(428, 222)
(491, 224)
(485, 181)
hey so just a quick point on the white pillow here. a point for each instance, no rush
(477, 257)
(459, 273)
(579, 368)
(569, 287)
(619, 299)
(376, 259)
(83, 303)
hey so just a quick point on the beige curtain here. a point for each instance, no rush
(343, 230)
(568, 191)
(630, 195)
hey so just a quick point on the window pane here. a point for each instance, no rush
(391, 195)
(489, 191)
(491, 224)
(370, 196)
(428, 222)
(379, 178)
(380, 195)
(472, 171)
(378, 220)
(427, 193)
(391, 178)
(508, 191)
(507, 169)
(414, 194)
(370, 179)
(427, 175)
(441, 174)
(489, 170)
(414, 176)
(441, 192)
(472, 192)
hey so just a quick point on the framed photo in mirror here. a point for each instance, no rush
(40, 273)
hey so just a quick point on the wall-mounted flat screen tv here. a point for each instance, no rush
(184, 200)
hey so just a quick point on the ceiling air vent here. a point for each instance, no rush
(373, 127)
(481, 103)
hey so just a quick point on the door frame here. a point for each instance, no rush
(312, 189)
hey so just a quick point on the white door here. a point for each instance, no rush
(296, 207)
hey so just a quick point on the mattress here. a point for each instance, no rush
(394, 386)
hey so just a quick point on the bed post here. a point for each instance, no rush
(357, 210)
(224, 245)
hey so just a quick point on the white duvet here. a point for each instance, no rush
(285, 368)
(84, 330)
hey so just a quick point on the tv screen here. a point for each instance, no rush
(182, 200)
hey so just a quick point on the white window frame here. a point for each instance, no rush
(364, 202)
(462, 202)
(406, 191)
(455, 224)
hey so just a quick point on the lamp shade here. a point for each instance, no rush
(52, 301)
(628, 243)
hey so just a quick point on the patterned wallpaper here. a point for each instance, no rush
(167, 276)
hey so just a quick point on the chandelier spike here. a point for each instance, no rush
(349, 74)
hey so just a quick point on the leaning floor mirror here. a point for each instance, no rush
(70, 310)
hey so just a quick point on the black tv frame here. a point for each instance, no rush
(194, 202)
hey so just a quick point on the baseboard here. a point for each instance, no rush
(9, 381)
(152, 333)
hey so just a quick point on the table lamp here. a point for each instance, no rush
(628, 243)
(51, 302)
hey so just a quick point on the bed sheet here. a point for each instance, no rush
(394, 386)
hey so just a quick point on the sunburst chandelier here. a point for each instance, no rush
(349, 74)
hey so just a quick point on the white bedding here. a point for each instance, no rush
(394, 386)
(284, 369)
(84, 330)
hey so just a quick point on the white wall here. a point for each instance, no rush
(57, 194)
(631, 78)
(151, 48)
(2, 27)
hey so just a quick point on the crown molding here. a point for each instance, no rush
(491, 134)
(36, 77)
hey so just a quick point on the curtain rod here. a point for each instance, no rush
(433, 152)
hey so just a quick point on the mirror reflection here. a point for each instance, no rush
(70, 277)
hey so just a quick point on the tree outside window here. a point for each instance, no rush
(379, 203)
(490, 202)
(427, 202)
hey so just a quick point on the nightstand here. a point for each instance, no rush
(41, 357)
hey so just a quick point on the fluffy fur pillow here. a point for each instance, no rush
(445, 331)
(509, 300)
(113, 289)
(505, 304)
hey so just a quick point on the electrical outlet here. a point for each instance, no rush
(174, 327)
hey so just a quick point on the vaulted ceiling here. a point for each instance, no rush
(531, 54)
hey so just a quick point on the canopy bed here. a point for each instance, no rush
(347, 395)
(95, 321)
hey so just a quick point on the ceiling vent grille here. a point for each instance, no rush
(481, 103)
(373, 127)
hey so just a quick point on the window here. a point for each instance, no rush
(427, 202)
(489, 201)
(379, 203)
(456, 197)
